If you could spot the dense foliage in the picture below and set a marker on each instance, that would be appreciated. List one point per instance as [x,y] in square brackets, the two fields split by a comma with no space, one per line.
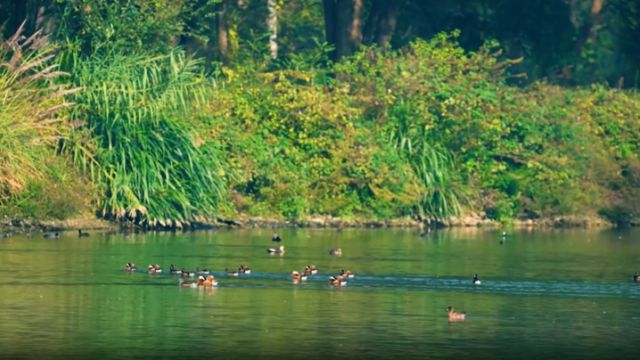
[141,153]
[180,111]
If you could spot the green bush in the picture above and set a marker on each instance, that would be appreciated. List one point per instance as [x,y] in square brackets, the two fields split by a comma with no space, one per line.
[141,153]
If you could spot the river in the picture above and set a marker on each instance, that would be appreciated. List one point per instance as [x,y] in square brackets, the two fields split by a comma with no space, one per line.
[544,294]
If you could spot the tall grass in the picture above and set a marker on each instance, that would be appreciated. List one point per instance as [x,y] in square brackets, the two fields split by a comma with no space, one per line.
[432,164]
[141,152]
[32,95]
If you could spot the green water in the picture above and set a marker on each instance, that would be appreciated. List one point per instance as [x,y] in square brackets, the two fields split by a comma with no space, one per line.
[544,294]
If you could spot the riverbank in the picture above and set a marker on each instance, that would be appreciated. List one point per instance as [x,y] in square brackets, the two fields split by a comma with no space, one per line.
[472,220]
[314,221]
[30,225]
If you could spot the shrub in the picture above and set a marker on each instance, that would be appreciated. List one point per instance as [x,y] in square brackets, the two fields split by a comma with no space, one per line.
[147,164]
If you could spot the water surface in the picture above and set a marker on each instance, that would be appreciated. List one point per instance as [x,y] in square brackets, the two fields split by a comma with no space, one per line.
[544,294]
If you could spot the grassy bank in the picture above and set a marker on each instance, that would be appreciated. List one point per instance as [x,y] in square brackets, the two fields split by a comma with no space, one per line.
[427,131]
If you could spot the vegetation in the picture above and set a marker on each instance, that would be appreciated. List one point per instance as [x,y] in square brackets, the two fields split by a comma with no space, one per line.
[33,96]
[140,152]
[202,109]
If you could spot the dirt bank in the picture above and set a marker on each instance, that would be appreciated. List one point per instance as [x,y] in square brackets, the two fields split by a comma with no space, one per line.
[315,221]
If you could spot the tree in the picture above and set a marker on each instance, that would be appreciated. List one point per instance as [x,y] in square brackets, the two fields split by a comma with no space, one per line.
[272,24]
[223,32]
[381,22]
[343,25]
[590,28]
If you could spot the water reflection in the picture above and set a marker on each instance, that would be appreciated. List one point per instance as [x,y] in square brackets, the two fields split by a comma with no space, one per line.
[544,294]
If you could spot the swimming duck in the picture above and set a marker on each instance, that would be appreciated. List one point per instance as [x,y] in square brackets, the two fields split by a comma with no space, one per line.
[231,272]
[276,238]
[456,316]
[244,269]
[337,280]
[210,281]
[636,278]
[189,284]
[310,270]
[129,267]
[82,233]
[174,271]
[346,274]
[335,252]
[426,232]
[475,280]
[186,273]
[154,269]
[278,250]
[202,271]
[297,277]
[52,235]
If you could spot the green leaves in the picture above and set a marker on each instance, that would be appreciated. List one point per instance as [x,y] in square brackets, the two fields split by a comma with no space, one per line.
[138,110]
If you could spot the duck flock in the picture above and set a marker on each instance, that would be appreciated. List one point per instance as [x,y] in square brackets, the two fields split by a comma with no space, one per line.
[337,280]
[206,280]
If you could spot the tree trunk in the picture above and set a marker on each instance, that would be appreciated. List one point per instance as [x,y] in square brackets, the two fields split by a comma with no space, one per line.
[330,24]
[223,31]
[343,25]
[386,22]
[381,23]
[355,27]
[272,24]
[590,29]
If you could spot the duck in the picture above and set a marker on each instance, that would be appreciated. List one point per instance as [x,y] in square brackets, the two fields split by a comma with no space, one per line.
[82,233]
[297,277]
[278,250]
[335,252]
[475,280]
[426,232]
[347,274]
[202,271]
[276,238]
[636,278]
[231,272]
[129,267]
[337,281]
[310,270]
[154,269]
[454,315]
[174,271]
[244,269]
[54,235]
[210,281]
[186,273]
[189,284]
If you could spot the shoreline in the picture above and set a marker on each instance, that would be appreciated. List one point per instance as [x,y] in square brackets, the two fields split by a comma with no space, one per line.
[314,221]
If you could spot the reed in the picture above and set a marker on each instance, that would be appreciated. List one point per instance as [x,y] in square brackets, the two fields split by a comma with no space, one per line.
[32,103]
[432,164]
[140,150]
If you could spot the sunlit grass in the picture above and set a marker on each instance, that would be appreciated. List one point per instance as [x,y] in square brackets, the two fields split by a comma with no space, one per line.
[141,153]
[32,95]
